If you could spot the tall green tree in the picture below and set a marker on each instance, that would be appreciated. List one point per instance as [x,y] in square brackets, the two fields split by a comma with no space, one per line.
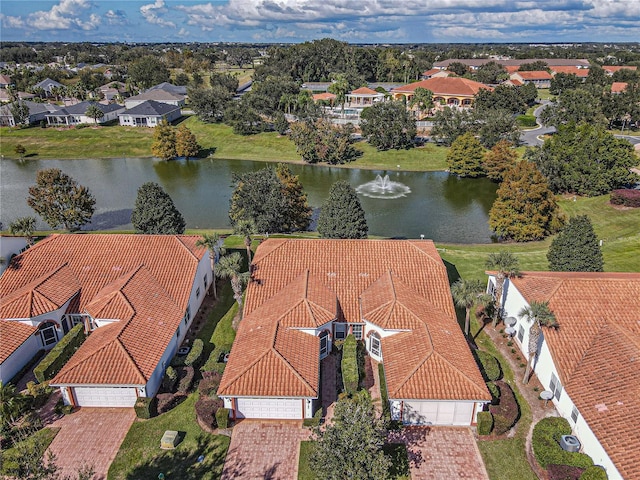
[215,244]
[324,142]
[449,124]
[20,112]
[538,314]
[186,143]
[23,226]
[297,205]
[148,71]
[466,294]
[388,125]
[580,105]
[423,99]
[93,111]
[342,215]
[465,157]
[506,265]
[351,446]
[340,87]
[576,248]
[525,208]
[495,125]
[155,213]
[164,141]
[60,200]
[499,159]
[229,267]
[210,104]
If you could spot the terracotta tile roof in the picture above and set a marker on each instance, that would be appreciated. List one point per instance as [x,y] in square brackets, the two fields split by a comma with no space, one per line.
[12,335]
[618,87]
[401,285]
[511,68]
[615,68]
[143,281]
[580,72]
[323,96]
[515,82]
[365,91]
[432,72]
[535,75]
[445,86]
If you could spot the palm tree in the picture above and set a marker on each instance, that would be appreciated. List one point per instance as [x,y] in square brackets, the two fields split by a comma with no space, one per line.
[94,112]
[23,226]
[245,228]
[423,98]
[539,314]
[466,294]
[10,404]
[213,242]
[229,267]
[506,266]
[339,87]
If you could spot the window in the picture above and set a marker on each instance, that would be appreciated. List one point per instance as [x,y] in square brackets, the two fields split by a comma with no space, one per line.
[574,414]
[324,344]
[48,334]
[357,331]
[340,331]
[520,333]
[205,281]
[198,292]
[555,386]
[187,315]
[374,344]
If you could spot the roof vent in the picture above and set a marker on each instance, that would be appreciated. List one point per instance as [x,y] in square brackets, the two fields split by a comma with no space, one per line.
[570,443]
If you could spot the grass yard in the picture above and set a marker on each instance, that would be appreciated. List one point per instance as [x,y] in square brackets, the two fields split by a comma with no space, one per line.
[140,456]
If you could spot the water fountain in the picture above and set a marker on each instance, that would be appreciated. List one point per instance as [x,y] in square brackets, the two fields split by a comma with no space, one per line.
[383,187]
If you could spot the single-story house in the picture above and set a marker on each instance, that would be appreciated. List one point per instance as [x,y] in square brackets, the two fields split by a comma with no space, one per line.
[77,114]
[157,95]
[590,362]
[324,97]
[37,112]
[364,97]
[392,294]
[46,85]
[112,90]
[580,72]
[136,296]
[447,91]
[618,87]
[170,87]
[435,72]
[5,97]
[149,114]
[5,81]
[540,78]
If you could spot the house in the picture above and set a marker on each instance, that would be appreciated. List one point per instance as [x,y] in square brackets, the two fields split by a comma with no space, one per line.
[364,97]
[541,78]
[158,95]
[37,113]
[447,91]
[589,363]
[394,295]
[5,97]
[324,97]
[435,72]
[10,246]
[5,81]
[112,90]
[136,295]
[169,87]
[618,87]
[580,72]
[47,85]
[77,114]
[611,69]
[149,114]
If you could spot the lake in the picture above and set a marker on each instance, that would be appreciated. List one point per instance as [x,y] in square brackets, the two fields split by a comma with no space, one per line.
[437,205]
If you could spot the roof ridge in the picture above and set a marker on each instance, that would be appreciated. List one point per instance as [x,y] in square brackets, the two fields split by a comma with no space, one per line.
[249,367]
[295,372]
[179,239]
[128,355]
[419,364]
[469,380]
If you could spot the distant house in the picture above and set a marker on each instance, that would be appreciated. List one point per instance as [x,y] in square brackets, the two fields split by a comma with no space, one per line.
[169,87]
[37,113]
[5,81]
[163,93]
[364,97]
[591,362]
[475,63]
[149,114]
[540,78]
[324,97]
[435,72]
[317,87]
[47,84]
[611,69]
[618,87]
[580,72]
[77,114]
[5,97]
[112,90]
[453,92]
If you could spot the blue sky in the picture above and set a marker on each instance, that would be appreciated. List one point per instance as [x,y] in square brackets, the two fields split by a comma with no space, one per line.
[358,21]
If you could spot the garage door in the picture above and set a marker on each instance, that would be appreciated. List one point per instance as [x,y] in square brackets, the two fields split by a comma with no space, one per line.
[281,408]
[105,396]
[437,413]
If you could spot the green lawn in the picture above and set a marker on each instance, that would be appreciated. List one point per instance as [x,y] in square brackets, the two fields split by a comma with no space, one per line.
[140,457]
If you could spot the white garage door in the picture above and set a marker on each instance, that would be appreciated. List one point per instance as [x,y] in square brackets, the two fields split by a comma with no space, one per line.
[281,408]
[105,396]
[437,413]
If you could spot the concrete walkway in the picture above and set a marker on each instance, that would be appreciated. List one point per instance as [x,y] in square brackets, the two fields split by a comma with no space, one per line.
[328,374]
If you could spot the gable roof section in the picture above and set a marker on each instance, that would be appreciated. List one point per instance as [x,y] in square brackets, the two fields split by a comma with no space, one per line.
[618,87]
[445,86]
[12,335]
[580,72]
[82,107]
[535,75]
[159,95]
[151,108]
[365,91]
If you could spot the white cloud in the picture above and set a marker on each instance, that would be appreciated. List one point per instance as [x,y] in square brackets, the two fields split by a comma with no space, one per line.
[8,21]
[152,13]
[64,16]
[183,33]
[116,17]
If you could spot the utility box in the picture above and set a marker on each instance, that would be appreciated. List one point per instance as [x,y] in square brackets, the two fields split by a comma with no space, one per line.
[169,440]
[570,443]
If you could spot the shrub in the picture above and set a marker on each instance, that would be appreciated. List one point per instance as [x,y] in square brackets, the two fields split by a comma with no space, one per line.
[206,408]
[60,354]
[626,197]
[209,384]
[546,444]
[145,407]
[349,367]
[495,393]
[167,401]
[507,412]
[315,421]
[40,393]
[194,357]
[485,423]
[185,375]
[594,472]
[170,379]
[526,120]
[383,391]
[214,363]
[222,417]
[489,366]
[564,472]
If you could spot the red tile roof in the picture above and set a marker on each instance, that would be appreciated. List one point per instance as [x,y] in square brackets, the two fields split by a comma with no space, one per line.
[535,75]
[511,68]
[365,91]
[398,285]
[580,72]
[445,86]
[618,87]
[595,351]
[613,69]
[323,96]
[12,335]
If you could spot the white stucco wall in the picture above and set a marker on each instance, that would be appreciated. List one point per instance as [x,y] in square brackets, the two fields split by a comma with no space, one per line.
[10,246]
[19,358]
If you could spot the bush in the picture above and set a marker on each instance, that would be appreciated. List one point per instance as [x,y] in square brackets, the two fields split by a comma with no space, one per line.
[194,357]
[206,408]
[626,197]
[564,472]
[507,412]
[208,386]
[170,379]
[526,120]
[60,354]
[489,366]
[315,421]
[222,417]
[40,393]
[167,401]
[495,393]
[386,411]
[145,407]
[594,472]
[185,375]
[546,444]
[485,423]
[349,367]
[213,363]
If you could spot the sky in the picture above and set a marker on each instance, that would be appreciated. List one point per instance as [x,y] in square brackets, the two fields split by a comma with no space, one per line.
[292,21]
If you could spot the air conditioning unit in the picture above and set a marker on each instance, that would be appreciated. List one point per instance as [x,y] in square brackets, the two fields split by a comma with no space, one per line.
[570,443]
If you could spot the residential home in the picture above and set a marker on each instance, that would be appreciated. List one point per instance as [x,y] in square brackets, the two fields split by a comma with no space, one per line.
[5,81]
[77,114]
[590,362]
[618,87]
[37,113]
[580,72]
[46,85]
[136,296]
[435,72]
[10,246]
[541,78]
[169,87]
[149,114]
[113,90]
[317,87]
[456,92]
[324,97]
[611,69]
[364,97]
[157,95]
[393,295]
[5,97]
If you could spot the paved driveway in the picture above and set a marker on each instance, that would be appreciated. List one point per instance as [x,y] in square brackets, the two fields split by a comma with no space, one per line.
[442,453]
[90,436]
[264,450]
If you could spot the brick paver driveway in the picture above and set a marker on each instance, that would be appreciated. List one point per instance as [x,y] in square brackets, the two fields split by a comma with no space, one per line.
[90,436]
[442,453]
[264,450]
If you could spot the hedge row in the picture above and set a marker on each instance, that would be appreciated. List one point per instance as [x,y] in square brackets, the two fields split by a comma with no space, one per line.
[145,407]
[507,412]
[214,363]
[626,197]
[546,444]
[489,366]
[485,423]
[222,417]
[60,354]
[594,472]
[386,410]
[185,375]
[194,357]
[170,379]
[315,421]
[526,120]
[495,393]
[349,366]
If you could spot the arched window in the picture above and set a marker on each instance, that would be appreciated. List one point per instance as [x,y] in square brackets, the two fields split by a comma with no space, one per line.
[48,333]
[374,344]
